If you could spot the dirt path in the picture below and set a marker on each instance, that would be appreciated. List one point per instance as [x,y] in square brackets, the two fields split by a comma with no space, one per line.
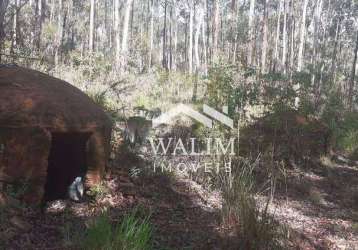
[320,207]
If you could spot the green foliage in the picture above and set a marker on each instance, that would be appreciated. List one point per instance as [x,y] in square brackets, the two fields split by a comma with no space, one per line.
[254,226]
[102,100]
[98,191]
[49,32]
[226,87]
[132,233]
[99,234]
[332,112]
[144,101]
[350,141]
[344,125]
[347,133]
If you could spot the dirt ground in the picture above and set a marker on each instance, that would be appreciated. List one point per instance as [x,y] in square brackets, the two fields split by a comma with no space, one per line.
[318,206]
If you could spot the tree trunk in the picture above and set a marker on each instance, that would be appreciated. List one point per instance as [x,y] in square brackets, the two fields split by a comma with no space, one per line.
[151,34]
[316,24]
[125,31]
[3,8]
[284,40]
[251,32]
[52,11]
[15,27]
[117,31]
[164,60]
[176,26]
[171,38]
[264,39]
[293,36]
[205,45]
[208,52]
[41,14]
[59,33]
[91,31]
[197,36]
[351,81]
[215,29]
[191,28]
[302,36]
[334,56]
[276,53]
[131,24]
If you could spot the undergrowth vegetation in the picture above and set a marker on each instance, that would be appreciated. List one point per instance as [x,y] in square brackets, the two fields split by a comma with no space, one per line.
[254,225]
[131,233]
[250,98]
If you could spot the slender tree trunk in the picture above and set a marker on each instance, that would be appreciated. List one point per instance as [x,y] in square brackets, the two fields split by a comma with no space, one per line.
[171,39]
[293,36]
[15,27]
[164,60]
[117,31]
[131,24]
[316,25]
[284,40]
[264,40]
[186,42]
[334,56]
[175,40]
[52,11]
[208,34]
[278,26]
[351,81]
[215,29]
[3,8]
[235,21]
[191,30]
[40,15]
[60,22]
[125,31]
[91,31]
[106,44]
[251,33]
[205,45]
[232,30]
[197,36]
[150,62]
[302,37]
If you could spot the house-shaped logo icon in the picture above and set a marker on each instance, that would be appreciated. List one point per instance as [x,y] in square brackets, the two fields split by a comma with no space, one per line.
[182,109]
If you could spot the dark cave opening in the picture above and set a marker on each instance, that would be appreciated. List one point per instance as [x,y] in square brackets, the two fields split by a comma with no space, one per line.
[66,161]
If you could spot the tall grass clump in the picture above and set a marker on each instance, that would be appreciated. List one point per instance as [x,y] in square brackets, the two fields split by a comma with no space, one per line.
[254,226]
[131,233]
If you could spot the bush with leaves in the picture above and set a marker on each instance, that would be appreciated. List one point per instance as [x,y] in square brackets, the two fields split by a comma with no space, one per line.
[132,233]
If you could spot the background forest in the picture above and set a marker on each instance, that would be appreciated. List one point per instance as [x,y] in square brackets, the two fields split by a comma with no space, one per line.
[307,46]
[286,70]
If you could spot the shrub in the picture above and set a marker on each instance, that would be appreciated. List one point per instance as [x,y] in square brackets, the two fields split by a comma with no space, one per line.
[98,191]
[102,100]
[254,226]
[131,233]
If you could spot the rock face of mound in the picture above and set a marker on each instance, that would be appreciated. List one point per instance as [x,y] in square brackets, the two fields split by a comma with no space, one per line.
[50,133]
[288,135]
